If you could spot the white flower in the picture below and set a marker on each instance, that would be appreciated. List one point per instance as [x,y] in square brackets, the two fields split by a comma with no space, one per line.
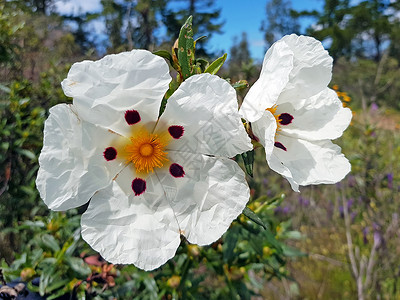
[148,179]
[295,115]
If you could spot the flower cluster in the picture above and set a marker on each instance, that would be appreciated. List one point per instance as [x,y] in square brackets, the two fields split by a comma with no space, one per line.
[150,178]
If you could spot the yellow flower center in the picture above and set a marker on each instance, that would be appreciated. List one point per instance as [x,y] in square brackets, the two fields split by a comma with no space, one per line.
[146,151]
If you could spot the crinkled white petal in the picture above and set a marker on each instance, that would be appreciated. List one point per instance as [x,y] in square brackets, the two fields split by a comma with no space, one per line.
[264,129]
[211,194]
[206,106]
[277,65]
[317,118]
[72,166]
[105,89]
[128,229]
[312,68]
[307,162]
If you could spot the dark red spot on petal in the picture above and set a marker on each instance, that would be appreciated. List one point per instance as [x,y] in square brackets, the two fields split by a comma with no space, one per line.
[138,186]
[176,170]
[132,117]
[176,131]
[110,153]
[280,145]
[285,119]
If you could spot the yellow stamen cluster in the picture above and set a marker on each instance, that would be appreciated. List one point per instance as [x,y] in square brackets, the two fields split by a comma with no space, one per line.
[272,110]
[146,151]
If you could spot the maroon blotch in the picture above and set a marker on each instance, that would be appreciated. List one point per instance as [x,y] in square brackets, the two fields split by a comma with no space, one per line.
[176,170]
[176,131]
[285,119]
[132,117]
[280,145]
[138,186]
[110,153]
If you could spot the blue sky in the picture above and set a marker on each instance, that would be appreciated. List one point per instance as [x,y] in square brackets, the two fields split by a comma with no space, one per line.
[239,16]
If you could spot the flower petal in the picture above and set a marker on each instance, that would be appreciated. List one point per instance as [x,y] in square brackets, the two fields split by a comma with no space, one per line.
[319,117]
[264,129]
[127,229]
[208,197]
[72,165]
[277,65]
[206,107]
[304,162]
[104,90]
[312,68]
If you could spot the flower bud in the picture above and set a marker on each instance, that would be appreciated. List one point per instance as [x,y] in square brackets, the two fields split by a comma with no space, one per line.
[174,281]
[27,274]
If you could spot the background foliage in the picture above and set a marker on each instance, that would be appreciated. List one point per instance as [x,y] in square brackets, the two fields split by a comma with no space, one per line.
[329,242]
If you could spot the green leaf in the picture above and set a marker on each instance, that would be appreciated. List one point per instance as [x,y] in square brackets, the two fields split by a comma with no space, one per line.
[252,216]
[216,65]
[27,153]
[296,235]
[199,39]
[248,159]
[5,89]
[229,244]
[241,84]
[50,242]
[32,288]
[186,49]
[78,265]
[45,279]
[55,286]
[202,64]
[165,54]
[292,252]
[58,293]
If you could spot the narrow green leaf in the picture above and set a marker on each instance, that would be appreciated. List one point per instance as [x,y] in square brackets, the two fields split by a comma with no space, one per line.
[45,279]
[55,286]
[58,294]
[229,245]
[27,153]
[252,216]
[199,39]
[186,49]
[241,84]
[216,65]
[248,159]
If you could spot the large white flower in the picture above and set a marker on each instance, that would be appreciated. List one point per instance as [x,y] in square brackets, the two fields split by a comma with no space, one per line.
[148,179]
[295,115]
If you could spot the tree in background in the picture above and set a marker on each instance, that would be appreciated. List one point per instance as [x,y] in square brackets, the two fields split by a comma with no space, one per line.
[280,21]
[131,24]
[332,25]
[82,34]
[362,30]
[240,59]
[145,12]
[371,23]
[114,14]
[206,20]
